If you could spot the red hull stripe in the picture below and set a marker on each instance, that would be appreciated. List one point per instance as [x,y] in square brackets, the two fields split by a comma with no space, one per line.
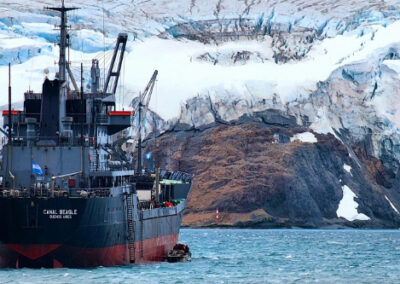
[33,251]
[92,257]
[63,255]
[56,264]
[155,249]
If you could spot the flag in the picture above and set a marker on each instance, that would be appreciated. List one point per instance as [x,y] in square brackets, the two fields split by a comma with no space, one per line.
[148,155]
[36,169]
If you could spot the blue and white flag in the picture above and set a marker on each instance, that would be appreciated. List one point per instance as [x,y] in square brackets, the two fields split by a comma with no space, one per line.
[36,169]
[148,155]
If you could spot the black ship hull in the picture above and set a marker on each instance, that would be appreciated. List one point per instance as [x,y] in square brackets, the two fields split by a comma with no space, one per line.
[77,232]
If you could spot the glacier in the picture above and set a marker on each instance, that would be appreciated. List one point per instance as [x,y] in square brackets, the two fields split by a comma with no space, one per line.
[235,64]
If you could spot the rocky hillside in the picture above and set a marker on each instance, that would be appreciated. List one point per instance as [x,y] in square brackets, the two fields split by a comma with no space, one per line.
[267,171]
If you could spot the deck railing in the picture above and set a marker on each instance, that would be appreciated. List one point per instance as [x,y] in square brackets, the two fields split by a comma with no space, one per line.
[50,193]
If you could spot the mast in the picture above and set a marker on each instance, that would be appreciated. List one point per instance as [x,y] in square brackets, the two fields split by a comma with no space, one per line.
[82,115]
[62,63]
[139,151]
[9,105]
[9,145]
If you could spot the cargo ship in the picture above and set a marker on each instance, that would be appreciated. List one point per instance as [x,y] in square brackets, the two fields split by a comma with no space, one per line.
[66,198]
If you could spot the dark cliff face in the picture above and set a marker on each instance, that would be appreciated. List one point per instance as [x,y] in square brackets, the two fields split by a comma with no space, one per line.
[252,172]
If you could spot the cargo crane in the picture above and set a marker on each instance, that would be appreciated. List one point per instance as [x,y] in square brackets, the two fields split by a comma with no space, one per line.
[143,105]
[141,109]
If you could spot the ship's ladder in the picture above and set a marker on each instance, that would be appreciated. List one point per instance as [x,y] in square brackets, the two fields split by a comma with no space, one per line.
[141,235]
[131,228]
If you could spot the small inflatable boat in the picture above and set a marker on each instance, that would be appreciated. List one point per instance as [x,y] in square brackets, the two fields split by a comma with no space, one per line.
[180,253]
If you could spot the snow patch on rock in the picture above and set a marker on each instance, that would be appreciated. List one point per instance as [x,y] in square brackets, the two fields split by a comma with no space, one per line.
[347,168]
[348,207]
[306,137]
[391,205]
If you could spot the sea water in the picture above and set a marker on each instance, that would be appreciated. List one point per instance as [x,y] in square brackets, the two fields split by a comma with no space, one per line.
[252,256]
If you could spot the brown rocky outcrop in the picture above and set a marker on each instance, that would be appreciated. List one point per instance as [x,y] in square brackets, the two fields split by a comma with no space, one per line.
[257,177]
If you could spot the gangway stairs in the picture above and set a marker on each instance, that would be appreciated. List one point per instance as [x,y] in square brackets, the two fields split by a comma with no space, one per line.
[131,228]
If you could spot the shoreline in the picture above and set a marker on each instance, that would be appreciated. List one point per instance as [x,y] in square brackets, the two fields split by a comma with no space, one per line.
[326,227]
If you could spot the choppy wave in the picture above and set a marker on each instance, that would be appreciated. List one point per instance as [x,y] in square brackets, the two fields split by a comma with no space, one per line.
[252,256]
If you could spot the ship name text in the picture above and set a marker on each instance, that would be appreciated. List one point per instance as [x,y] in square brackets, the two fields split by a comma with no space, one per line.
[60,213]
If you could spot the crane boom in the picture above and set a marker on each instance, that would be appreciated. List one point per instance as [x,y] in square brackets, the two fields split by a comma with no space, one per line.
[115,71]
[146,96]
[142,110]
